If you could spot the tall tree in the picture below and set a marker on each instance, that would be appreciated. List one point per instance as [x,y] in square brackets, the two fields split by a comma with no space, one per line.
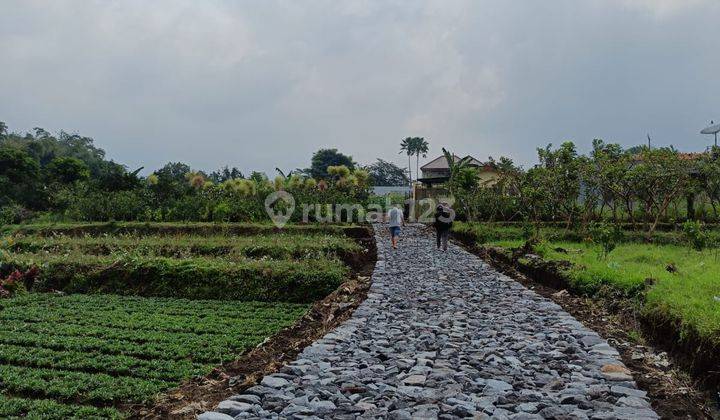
[18,173]
[420,146]
[387,174]
[67,170]
[414,146]
[328,157]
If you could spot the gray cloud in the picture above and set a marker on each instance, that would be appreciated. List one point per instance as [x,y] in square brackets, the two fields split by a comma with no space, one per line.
[259,84]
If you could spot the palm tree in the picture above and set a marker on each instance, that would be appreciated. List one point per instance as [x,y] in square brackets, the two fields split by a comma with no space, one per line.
[454,166]
[406,146]
[420,147]
[414,146]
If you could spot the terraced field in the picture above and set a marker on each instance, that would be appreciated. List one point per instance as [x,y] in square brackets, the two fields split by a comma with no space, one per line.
[138,312]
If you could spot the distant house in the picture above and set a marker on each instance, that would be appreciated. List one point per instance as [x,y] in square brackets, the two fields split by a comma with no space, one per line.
[437,172]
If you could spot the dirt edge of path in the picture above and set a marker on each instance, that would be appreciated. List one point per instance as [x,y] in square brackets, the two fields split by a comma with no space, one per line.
[202,394]
[673,393]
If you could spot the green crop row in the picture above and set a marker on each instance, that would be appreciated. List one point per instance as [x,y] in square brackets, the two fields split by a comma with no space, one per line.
[281,246]
[197,350]
[142,321]
[112,364]
[162,309]
[169,306]
[78,387]
[31,409]
[141,228]
[134,335]
[196,278]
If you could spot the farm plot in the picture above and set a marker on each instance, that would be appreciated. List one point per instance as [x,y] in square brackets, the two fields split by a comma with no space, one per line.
[140,313]
[78,355]
[271,267]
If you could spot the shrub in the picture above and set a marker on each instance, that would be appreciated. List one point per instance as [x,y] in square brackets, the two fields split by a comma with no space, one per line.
[14,214]
[607,236]
[695,235]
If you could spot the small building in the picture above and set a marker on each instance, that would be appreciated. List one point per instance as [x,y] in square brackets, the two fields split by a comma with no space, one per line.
[437,172]
[403,190]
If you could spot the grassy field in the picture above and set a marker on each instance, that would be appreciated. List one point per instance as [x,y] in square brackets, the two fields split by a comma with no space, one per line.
[674,281]
[145,307]
[486,232]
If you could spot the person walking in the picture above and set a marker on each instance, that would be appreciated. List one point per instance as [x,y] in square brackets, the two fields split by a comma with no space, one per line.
[395,220]
[444,216]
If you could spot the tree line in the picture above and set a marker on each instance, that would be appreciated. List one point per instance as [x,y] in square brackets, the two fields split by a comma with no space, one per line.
[641,186]
[66,177]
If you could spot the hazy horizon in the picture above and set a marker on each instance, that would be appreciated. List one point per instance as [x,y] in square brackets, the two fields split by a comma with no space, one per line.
[263,84]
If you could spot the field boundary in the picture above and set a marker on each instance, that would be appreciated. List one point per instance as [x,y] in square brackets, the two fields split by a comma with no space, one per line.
[202,394]
[611,313]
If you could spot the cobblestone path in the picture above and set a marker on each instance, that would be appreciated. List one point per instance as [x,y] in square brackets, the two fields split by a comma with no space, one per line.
[443,335]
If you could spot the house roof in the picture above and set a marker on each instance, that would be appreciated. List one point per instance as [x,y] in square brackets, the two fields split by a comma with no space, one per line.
[688,156]
[441,163]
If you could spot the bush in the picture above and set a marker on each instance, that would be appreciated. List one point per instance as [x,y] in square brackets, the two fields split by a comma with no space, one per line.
[695,235]
[13,214]
[608,236]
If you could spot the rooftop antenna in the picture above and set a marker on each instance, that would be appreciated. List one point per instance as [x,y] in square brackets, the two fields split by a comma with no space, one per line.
[712,129]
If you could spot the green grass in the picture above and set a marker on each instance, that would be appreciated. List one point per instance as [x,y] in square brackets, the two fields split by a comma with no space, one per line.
[491,232]
[73,355]
[686,296]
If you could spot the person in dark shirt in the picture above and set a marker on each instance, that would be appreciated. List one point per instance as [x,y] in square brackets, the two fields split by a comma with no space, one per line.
[444,216]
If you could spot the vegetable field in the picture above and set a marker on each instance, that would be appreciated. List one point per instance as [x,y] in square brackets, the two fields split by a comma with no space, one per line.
[113,319]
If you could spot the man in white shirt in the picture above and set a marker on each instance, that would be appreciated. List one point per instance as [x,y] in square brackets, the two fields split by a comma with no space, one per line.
[395,220]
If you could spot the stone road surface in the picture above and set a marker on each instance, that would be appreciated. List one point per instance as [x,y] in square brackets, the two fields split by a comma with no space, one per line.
[443,335]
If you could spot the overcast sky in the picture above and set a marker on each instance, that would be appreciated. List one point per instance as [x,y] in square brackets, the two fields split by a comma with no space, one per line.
[260,84]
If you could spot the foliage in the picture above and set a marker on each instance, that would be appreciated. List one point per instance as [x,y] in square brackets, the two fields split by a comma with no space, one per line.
[658,178]
[607,236]
[105,350]
[414,146]
[13,214]
[91,354]
[383,173]
[298,267]
[67,170]
[66,177]
[324,158]
[225,174]
[197,278]
[274,246]
[19,174]
[695,234]
[608,184]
